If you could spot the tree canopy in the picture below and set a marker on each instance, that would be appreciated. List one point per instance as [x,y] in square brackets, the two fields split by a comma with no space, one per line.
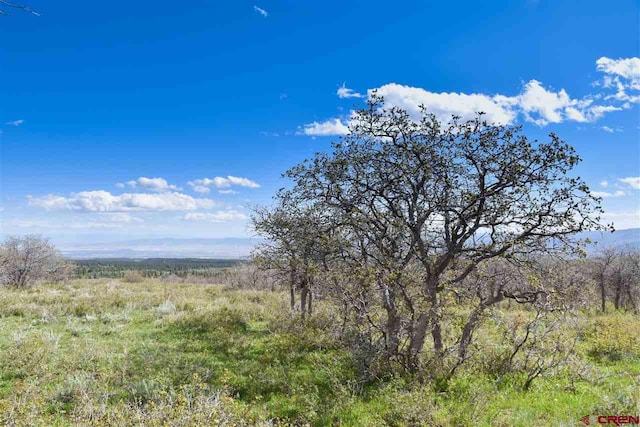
[416,206]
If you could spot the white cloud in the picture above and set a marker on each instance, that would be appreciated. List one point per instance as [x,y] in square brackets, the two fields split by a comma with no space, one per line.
[604,184]
[535,103]
[107,221]
[30,223]
[219,216]
[119,185]
[119,217]
[89,221]
[542,106]
[327,128]
[95,225]
[623,75]
[607,129]
[622,220]
[497,108]
[632,181]
[200,189]
[153,184]
[345,92]
[606,195]
[261,11]
[103,201]
[627,68]
[203,185]
[15,122]
[227,192]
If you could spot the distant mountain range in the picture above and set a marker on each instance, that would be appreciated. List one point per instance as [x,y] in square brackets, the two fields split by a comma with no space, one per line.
[238,248]
[227,248]
[629,238]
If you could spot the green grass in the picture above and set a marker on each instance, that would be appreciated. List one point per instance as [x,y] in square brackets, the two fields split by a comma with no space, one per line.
[110,353]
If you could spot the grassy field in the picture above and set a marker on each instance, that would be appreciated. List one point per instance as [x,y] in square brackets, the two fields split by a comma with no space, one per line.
[110,353]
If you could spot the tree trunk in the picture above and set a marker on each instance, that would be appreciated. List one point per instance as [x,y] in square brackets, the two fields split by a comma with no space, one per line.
[392,330]
[436,334]
[292,289]
[303,301]
[616,302]
[392,325]
[436,330]
[292,297]
[603,294]
[310,305]
[417,341]
[634,306]
[467,333]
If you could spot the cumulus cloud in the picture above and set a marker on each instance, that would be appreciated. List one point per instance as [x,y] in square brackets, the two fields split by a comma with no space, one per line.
[622,220]
[15,122]
[607,195]
[632,181]
[205,184]
[104,201]
[153,184]
[497,108]
[345,92]
[261,11]
[121,218]
[218,216]
[327,128]
[542,106]
[119,185]
[604,184]
[535,103]
[200,188]
[627,68]
[98,220]
[107,221]
[623,76]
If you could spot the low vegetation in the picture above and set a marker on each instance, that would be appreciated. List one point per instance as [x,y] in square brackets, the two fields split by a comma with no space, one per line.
[104,352]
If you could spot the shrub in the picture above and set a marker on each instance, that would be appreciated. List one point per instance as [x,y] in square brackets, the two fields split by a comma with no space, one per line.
[133,277]
[25,260]
[614,336]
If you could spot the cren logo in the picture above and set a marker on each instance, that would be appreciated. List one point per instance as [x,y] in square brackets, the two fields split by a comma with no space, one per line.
[617,420]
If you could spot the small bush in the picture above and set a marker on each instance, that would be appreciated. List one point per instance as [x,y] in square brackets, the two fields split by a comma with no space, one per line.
[133,277]
[614,336]
[167,307]
[144,391]
[74,388]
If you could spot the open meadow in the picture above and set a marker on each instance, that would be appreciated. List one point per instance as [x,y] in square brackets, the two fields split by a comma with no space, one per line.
[320,213]
[106,352]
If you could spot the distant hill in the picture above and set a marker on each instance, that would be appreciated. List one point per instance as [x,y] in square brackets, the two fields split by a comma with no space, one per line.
[629,238]
[239,248]
[227,248]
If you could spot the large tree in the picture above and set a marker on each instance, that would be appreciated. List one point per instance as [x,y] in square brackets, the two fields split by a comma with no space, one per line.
[423,204]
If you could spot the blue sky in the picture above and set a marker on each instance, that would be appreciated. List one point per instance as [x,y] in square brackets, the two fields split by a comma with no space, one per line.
[117,117]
